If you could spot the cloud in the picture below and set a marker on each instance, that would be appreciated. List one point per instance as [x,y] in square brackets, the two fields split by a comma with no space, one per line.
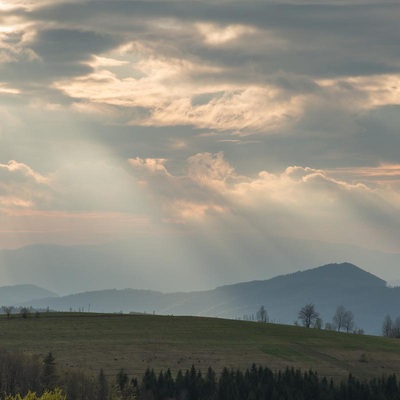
[310,88]
[80,202]
[75,187]
[231,67]
[215,35]
[207,168]
[225,107]
[12,46]
[381,174]
[300,201]
[25,5]
[19,171]
[20,186]
[33,54]
[151,165]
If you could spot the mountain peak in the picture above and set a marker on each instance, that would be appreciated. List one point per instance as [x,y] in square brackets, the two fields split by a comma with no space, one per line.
[346,272]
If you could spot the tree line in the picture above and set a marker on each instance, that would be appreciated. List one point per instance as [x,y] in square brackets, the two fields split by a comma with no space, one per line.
[261,383]
[342,320]
[309,317]
[25,312]
[31,378]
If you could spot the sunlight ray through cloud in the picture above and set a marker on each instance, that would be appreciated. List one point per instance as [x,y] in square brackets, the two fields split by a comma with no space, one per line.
[200,133]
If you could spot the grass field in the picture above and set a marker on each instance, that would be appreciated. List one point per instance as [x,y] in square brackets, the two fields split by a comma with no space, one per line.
[135,342]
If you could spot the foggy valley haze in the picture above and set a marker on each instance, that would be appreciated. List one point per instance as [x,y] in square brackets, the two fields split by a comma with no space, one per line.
[182,145]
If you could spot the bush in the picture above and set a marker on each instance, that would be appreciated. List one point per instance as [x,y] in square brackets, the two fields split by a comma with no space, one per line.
[55,395]
[25,312]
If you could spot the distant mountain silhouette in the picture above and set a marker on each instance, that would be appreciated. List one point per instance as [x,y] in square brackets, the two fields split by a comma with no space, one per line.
[327,287]
[194,264]
[11,295]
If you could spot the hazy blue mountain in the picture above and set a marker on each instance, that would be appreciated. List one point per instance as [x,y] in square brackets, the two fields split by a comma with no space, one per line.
[191,263]
[11,295]
[64,269]
[327,287]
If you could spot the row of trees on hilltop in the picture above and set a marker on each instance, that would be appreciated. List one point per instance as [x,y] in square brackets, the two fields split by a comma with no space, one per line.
[25,312]
[343,319]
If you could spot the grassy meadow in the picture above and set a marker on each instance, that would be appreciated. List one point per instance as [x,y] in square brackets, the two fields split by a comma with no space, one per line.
[135,342]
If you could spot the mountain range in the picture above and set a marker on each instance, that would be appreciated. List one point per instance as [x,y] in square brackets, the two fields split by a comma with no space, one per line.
[182,264]
[328,286]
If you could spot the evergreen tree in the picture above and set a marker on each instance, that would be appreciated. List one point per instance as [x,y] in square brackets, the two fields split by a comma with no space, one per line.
[49,372]
[210,385]
[122,379]
[169,384]
[192,384]
[180,388]
[149,383]
[103,393]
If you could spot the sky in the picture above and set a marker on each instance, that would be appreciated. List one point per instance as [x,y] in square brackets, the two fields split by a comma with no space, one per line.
[220,121]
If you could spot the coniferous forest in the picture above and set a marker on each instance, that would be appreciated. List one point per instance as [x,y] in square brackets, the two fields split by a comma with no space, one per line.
[21,375]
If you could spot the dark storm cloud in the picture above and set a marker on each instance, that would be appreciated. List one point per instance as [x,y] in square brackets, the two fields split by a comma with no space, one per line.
[61,46]
[290,47]
[291,43]
[325,40]
[60,53]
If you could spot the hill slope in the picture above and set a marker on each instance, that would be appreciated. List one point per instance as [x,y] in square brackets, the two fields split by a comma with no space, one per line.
[136,342]
[327,287]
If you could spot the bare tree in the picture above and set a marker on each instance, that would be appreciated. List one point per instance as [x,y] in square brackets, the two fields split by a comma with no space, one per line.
[329,327]
[387,326]
[7,310]
[308,315]
[318,323]
[396,328]
[262,315]
[24,312]
[348,321]
[338,318]
[343,319]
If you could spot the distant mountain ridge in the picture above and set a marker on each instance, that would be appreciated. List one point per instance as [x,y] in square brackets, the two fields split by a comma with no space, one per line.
[327,274]
[195,265]
[327,287]
[11,295]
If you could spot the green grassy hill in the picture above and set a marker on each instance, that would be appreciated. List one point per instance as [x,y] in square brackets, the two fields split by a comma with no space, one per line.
[135,342]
